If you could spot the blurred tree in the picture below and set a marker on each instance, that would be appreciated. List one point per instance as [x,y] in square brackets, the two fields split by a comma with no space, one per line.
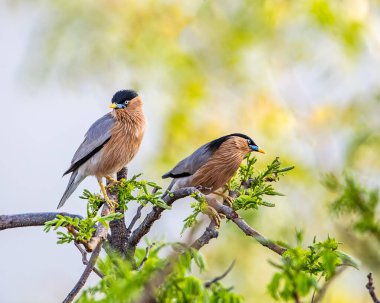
[300,75]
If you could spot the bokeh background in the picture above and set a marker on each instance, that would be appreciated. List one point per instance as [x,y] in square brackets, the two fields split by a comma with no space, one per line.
[301,77]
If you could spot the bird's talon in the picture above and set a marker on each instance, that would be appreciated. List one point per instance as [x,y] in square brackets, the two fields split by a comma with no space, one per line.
[213,215]
[112,205]
[229,201]
[112,181]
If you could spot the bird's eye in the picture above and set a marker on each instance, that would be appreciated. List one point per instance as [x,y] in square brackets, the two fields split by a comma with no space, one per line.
[126,102]
[249,142]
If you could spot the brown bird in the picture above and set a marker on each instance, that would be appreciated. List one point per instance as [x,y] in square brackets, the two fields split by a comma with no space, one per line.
[109,145]
[213,164]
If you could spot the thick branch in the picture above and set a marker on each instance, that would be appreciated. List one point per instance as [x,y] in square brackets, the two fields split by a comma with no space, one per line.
[119,232]
[89,268]
[248,230]
[155,214]
[211,232]
[30,219]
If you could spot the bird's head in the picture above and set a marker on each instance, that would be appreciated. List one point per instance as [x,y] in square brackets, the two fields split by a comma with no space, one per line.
[253,146]
[244,143]
[123,98]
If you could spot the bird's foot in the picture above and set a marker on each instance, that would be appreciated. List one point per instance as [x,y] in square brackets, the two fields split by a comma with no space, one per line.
[112,204]
[229,201]
[214,215]
[112,181]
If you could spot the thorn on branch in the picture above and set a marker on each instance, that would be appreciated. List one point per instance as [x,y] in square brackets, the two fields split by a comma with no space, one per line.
[222,276]
[371,288]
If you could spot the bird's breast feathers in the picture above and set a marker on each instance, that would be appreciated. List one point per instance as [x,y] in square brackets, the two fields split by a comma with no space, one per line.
[126,137]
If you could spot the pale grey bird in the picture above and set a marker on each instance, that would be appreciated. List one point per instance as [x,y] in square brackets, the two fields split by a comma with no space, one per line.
[109,145]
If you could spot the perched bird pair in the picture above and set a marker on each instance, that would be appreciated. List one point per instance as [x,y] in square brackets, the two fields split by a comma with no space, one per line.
[113,141]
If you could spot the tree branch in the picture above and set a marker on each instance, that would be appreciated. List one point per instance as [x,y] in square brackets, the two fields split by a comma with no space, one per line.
[155,214]
[119,231]
[318,296]
[147,251]
[85,261]
[211,232]
[134,219]
[217,279]
[89,268]
[371,288]
[30,219]
[248,230]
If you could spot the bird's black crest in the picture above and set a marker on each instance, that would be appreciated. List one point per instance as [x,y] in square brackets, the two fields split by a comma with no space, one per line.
[123,95]
[215,144]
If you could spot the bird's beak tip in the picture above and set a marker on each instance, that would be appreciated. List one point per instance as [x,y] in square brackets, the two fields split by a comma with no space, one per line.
[261,151]
[113,105]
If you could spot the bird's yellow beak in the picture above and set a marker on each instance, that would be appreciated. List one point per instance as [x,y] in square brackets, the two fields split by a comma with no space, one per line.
[261,151]
[113,105]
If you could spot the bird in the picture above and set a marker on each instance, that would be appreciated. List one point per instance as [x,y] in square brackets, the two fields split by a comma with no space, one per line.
[109,144]
[212,165]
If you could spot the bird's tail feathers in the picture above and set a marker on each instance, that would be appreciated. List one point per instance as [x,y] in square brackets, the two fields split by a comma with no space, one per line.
[74,181]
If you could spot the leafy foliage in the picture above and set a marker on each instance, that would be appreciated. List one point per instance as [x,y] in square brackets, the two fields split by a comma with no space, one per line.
[84,228]
[138,190]
[122,284]
[251,186]
[198,206]
[127,190]
[356,202]
[301,268]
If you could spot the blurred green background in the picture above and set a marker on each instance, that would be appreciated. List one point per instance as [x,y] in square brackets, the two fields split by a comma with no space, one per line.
[300,77]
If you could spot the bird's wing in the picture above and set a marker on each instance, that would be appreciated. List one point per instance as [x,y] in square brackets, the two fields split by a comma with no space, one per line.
[192,163]
[98,134]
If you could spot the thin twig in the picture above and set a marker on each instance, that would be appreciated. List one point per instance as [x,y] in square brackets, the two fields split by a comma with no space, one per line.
[82,281]
[85,261]
[30,219]
[318,295]
[147,251]
[217,279]
[371,288]
[134,219]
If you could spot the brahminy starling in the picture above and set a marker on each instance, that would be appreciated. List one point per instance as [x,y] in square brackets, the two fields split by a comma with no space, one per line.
[109,144]
[213,164]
